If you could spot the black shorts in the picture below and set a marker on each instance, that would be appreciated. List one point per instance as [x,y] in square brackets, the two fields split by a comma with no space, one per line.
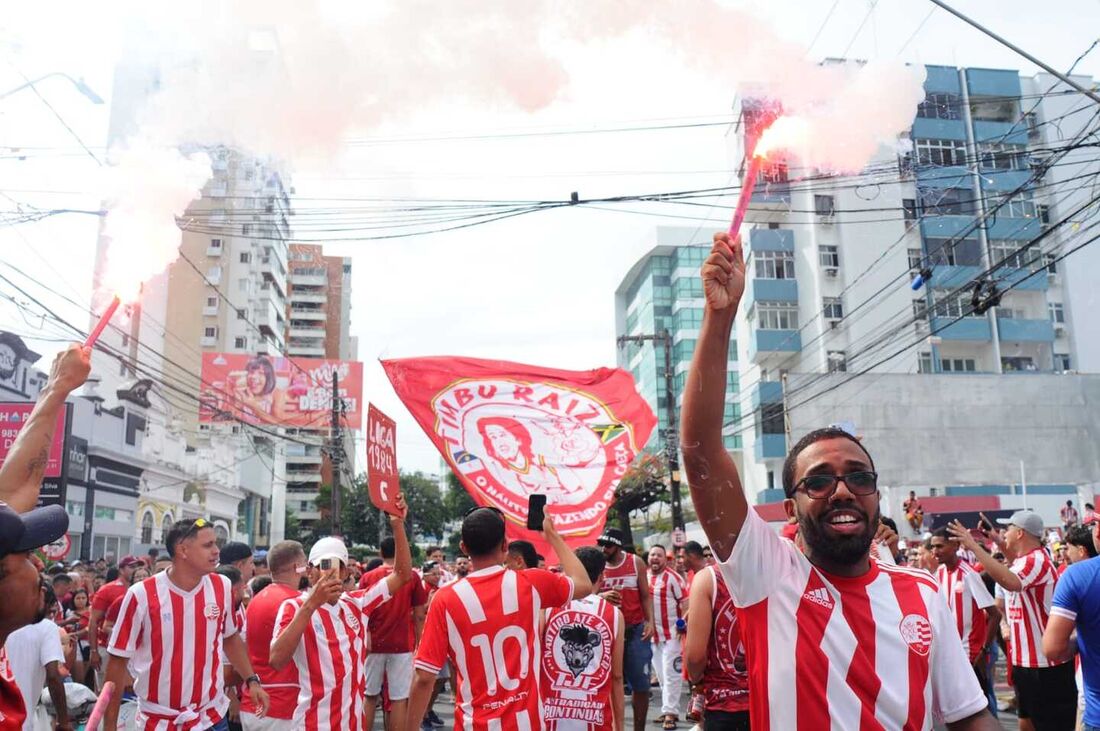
[1047,696]
[726,721]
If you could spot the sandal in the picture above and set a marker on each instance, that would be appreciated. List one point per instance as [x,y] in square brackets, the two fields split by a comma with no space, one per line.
[660,720]
[670,723]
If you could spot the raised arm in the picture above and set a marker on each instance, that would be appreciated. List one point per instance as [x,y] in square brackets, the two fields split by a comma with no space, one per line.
[21,475]
[712,476]
[571,566]
[402,556]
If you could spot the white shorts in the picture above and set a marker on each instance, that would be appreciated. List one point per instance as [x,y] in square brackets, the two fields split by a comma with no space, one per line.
[397,669]
[252,722]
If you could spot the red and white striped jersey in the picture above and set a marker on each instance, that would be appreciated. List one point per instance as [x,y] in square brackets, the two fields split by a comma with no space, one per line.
[578,648]
[1029,609]
[668,590]
[726,677]
[173,639]
[967,598]
[330,658]
[624,579]
[487,625]
[824,651]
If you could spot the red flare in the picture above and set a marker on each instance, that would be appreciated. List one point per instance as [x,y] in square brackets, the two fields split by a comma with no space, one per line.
[103,320]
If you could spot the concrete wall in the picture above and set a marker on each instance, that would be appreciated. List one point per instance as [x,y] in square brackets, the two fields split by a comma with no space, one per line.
[938,430]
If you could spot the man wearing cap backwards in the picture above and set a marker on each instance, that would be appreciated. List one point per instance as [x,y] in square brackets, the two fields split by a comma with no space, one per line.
[170,635]
[323,632]
[625,585]
[1045,687]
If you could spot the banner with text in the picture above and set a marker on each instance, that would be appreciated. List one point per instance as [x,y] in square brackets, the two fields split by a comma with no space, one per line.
[382,478]
[297,392]
[12,418]
[510,430]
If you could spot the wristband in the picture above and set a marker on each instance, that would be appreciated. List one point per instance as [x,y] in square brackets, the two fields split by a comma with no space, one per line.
[253,679]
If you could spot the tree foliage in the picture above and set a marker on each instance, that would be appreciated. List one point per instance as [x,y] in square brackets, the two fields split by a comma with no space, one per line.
[644,484]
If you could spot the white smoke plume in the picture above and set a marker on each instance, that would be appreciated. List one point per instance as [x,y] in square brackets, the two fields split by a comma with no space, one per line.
[289,78]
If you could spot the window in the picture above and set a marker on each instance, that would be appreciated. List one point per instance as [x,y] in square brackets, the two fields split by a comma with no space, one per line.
[940,152]
[1022,205]
[771,419]
[773,225]
[215,243]
[909,209]
[1024,363]
[920,309]
[776,315]
[212,302]
[953,307]
[916,259]
[958,365]
[243,285]
[939,105]
[824,205]
[1043,211]
[924,363]
[1031,121]
[837,361]
[246,229]
[214,274]
[147,528]
[828,255]
[947,202]
[240,343]
[1057,312]
[833,308]
[246,257]
[774,264]
[347,269]
[165,527]
[1061,362]
[1000,156]
[771,479]
[995,109]
[1050,263]
[964,252]
[210,332]
[1008,250]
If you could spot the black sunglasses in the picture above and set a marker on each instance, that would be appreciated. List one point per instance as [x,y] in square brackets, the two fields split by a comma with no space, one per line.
[821,487]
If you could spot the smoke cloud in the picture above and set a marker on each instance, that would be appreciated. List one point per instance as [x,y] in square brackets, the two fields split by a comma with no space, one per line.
[289,79]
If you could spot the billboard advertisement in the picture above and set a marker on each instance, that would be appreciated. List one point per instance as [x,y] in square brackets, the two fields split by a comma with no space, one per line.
[12,418]
[277,391]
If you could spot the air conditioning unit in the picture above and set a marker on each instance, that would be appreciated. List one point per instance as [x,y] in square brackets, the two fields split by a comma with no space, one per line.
[830,271]
[1059,328]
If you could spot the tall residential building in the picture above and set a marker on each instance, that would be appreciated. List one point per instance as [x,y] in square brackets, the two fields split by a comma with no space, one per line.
[830,259]
[662,294]
[319,317]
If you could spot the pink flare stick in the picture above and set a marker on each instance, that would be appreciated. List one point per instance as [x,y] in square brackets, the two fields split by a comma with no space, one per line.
[100,707]
[103,320]
[747,186]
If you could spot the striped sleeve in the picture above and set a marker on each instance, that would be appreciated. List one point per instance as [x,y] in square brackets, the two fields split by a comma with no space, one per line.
[225,599]
[982,597]
[1030,570]
[127,630]
[373,597]
[432,651]
[284,616]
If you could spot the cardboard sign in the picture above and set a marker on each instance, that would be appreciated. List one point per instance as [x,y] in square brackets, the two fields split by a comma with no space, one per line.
[383,480]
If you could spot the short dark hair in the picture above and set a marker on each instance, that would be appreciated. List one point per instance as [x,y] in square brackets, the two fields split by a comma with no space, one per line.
[433,549]
[387,547]
[695,548]
[526,551]
[283,555]
[58,578]
[482,532]
[1069,503]
[230,572]
[1089,506]
[259,583]
[1081,536]
[941,532]
[112,574]
[817,435]
[182,529]
[660,546]
[373,564]
[593,561]
[928,544]
[889,523]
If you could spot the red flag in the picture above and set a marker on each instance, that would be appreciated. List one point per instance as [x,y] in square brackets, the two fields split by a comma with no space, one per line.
[510,430]
[382,478]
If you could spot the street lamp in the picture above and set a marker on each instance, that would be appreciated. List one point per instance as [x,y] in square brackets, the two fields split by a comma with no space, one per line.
[82,87]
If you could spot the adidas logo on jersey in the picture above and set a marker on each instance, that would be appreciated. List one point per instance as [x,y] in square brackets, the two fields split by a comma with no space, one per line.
[819,596]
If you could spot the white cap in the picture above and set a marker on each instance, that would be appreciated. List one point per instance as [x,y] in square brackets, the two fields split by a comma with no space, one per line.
[328,548]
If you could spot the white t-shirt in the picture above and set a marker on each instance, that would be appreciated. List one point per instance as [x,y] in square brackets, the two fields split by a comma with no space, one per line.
[29,650]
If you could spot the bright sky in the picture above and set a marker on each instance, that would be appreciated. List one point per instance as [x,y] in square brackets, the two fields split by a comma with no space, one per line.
[537,288]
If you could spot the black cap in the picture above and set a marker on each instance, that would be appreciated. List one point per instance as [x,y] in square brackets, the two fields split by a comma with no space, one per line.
[24,532]
[234,551]
[611,537]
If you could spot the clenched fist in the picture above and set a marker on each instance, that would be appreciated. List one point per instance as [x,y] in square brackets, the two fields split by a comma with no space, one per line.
[724,273]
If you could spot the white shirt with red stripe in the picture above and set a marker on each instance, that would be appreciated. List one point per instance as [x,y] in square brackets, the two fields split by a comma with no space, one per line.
[578,665]
[824,651]
[1029,609]
[173,639]
[330,658]
[668,589]
[487,625]
[967,598]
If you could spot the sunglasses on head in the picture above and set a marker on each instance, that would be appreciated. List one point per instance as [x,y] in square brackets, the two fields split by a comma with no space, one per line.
[821,487]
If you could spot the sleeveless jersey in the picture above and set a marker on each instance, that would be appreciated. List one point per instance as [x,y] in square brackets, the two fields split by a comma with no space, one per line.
[577,654]
[726,678]
[624,579]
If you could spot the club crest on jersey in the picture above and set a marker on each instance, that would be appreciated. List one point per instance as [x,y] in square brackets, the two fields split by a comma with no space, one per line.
[513,439]
[577,654]
[212,611]
[916,631]
[730,649]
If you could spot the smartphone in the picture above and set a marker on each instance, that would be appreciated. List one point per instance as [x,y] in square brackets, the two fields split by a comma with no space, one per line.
[536,505]
[326,564]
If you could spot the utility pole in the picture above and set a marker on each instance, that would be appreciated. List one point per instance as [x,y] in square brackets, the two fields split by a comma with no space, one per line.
[671,433]
[336,453]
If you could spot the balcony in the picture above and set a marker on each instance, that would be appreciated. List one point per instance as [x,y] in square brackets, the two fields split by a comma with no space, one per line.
[1023,279]
[305,351]
[771,290]
[946,227]
[767,392]
[307,332]
[1010,133]
[993,82]
[268,318]
[771,239]
[317,299]
[299,313]
[273,271]
[209,311]
[968,328]
[1025,331]
[301,475]
[770,446]
[774,341]
[208,341]
[216,189]
[1004,181]
[308,280]
[1003,226]
[939,129]
[942,176]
